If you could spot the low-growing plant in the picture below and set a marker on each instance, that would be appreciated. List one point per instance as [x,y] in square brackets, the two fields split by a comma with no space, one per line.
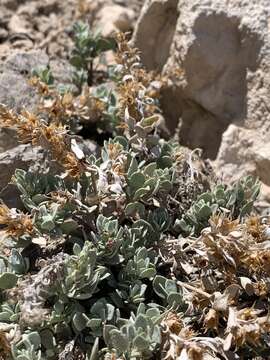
[100,264]
[236,200]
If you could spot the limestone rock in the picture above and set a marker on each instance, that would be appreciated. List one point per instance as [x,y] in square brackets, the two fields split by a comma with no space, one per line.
[113,18]
[15,91]
[8,139]
[155,31]
[18,24]
[14,74]
[218,55]
[236,157]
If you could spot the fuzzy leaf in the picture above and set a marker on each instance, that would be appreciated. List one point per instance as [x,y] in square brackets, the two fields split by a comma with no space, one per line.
[159,286]
[137,180]
[141,343]
[119,341]
[8,280]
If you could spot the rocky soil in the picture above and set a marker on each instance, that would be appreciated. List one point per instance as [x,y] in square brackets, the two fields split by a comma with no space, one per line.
[216,52]
[38,33]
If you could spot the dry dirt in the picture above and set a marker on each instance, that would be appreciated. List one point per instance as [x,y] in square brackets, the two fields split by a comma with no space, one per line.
[46,24]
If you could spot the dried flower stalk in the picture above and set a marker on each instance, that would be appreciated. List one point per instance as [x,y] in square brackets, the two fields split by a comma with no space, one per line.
[16,223]
[52,137]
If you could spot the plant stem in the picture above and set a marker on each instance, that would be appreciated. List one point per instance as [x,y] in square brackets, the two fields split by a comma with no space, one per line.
[90,74]
[192,288]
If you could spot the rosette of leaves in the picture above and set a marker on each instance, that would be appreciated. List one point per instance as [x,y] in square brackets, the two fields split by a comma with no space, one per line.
[171,294]
[34,187]
[109,238]
[101,312]
[9,313]
[133,278]
[54,216]
[159,219]
[145,181]
[141,234]
[82,273]
[141,266]
[50,216]
[237,200]
[28,348]
[137,337]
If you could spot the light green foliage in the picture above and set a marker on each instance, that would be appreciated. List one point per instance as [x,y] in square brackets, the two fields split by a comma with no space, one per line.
[9,313]
[169,291]
[28,348]
[90,276]
[108,97]
[35,187]
[7,278]
[82,274]
[87,46]
[137,337]
[236,200]
[44,74]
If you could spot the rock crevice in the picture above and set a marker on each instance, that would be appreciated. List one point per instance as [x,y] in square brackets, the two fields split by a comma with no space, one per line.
[222,51]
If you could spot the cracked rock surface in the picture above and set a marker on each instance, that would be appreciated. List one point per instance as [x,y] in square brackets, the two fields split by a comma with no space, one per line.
[218,55]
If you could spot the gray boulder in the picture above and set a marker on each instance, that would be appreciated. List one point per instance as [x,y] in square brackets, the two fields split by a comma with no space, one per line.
[217,52]
[15,90]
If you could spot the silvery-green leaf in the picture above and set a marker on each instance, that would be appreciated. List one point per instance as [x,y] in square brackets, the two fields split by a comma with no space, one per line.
[175,299]
[133,167]
[156,336]
[141,322]
[76,249]
[8,280]
[141,343]
[136,180]
[47,223]
[119,341]
[148,273]
[17,262]
[79,321]
[159,286]
[165,162]
[149,169]
[140,193]
[121,140]
[47,339]
[205,212]
[170,286]
[246,209]
[133,208]
[94,323]
[32,338]
[207,197]
[107,334]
